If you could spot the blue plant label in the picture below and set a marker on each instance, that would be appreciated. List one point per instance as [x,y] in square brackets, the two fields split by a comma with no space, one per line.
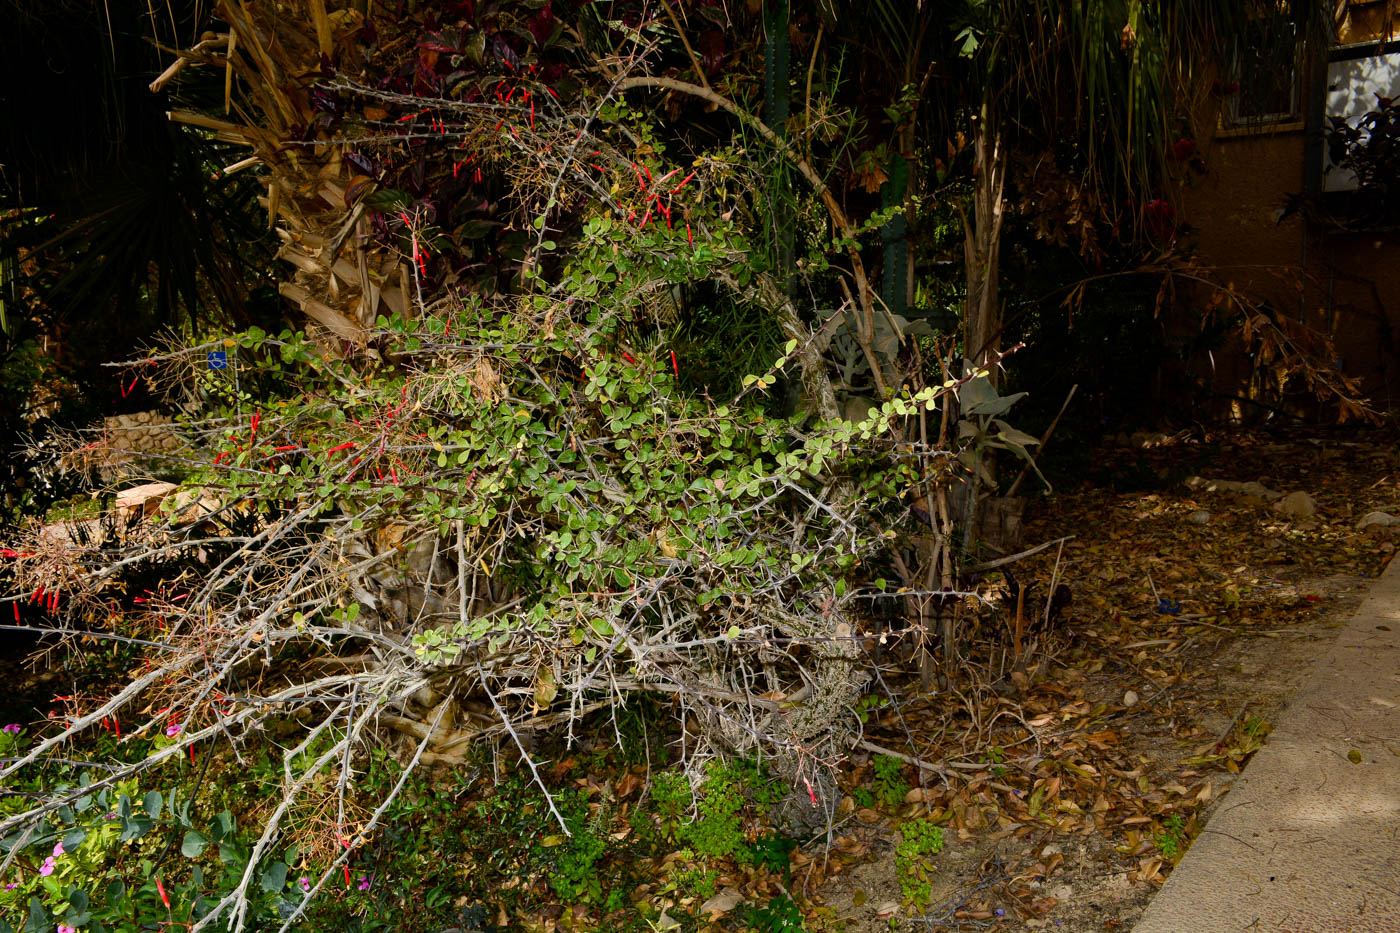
[218,359]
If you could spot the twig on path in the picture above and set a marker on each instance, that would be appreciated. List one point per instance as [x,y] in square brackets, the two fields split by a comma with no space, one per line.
[1044,439]
[1012,558]
[908,759]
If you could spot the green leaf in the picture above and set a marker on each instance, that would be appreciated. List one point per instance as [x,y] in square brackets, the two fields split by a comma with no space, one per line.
[389,200]
[275,878]
[193,845]
[38,917]
[153,802]
[223,825]
[978,397]
[1013,436]
[135,828]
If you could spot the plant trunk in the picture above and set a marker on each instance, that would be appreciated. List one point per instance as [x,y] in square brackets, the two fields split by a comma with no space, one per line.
[982,244]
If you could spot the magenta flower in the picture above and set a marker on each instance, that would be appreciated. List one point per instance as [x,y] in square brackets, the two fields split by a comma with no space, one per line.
[65,928]
[58,850]
[47,868]
[364,882]
[172,730]
[11,886]
[13,727]
[305,883]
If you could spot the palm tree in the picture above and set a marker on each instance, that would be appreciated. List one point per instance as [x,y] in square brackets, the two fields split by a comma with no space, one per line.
[123,227]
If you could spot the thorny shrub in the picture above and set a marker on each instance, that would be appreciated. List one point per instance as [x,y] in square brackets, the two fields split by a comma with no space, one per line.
[505,507]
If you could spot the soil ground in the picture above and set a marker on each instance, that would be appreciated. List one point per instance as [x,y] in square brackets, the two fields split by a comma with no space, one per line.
[1072,795]
[1067,791]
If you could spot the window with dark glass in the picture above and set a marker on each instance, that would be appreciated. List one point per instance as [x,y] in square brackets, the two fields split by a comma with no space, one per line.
[1263,86]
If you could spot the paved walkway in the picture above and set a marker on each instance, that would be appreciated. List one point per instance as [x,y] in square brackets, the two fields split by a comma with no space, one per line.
[1308,840]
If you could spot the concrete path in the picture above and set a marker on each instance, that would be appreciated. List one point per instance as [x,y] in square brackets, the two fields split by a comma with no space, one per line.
[1308,840]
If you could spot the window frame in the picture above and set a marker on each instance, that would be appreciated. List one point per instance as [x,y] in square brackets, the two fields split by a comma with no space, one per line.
[1232,121]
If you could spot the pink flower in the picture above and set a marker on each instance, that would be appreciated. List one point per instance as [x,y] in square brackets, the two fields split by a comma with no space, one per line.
[47,868]
[172,730]
[13,727]
[65,928]
[305,883]
[11,886]
[58,850]
[364,882]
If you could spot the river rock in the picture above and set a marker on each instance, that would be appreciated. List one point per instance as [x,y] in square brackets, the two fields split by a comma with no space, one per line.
[1377,520]
[1296,505]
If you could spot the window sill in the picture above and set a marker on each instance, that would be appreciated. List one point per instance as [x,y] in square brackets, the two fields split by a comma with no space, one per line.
[1259,129]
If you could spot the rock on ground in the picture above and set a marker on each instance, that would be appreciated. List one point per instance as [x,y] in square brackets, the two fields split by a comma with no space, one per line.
[1296,505]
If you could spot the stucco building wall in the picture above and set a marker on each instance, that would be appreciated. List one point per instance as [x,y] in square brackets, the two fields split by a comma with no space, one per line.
[1345,284]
